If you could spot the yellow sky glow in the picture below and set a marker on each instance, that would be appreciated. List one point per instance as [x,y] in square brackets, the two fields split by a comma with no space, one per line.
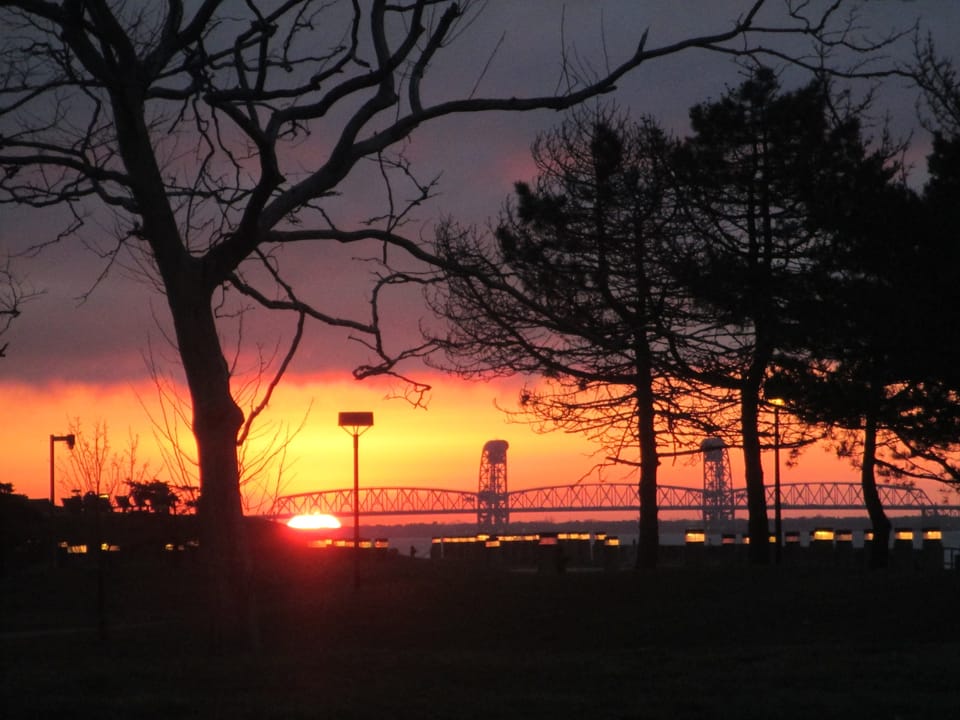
[437,447]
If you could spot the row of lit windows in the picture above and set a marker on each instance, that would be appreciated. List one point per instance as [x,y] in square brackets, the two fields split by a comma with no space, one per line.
[365,544]
[83,548]
[695,537]
[493,541]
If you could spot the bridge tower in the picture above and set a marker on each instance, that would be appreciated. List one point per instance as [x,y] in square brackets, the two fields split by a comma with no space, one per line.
[492,509]
[717,481]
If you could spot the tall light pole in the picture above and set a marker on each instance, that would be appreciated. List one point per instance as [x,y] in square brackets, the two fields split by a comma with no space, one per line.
[356,424]
[70,440]
[777,403]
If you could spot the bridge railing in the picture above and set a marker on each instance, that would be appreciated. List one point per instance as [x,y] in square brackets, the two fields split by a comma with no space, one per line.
[601,496]
[839,496]
[378,501]
[592,497]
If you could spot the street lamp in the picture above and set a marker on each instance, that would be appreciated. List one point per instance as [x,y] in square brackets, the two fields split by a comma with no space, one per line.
[70,440]
[356,424]
[777,403]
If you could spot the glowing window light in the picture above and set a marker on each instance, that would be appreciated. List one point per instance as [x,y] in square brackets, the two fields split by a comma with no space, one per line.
[316,521]
[932,534]
[868,535]
[321,544]
[792,538]
[727,539]
[822,535]
[694,537]
[612,541]
[492,543]
[549,540]
[349,543]
[77,549]
[903,534]
[381,543]
[844,536]
[519,538]
[600,536]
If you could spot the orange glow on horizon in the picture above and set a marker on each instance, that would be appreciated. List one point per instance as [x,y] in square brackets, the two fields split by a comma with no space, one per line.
[435,447]
[439,447]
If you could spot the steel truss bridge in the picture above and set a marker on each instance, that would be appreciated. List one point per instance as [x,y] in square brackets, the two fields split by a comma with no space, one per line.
[593,497]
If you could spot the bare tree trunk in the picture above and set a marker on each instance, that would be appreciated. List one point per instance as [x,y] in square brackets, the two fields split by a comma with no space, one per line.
[879,550]
[189,283]
[216,422]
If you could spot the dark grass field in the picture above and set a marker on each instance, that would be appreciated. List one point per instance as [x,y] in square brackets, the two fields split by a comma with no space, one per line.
[420,640]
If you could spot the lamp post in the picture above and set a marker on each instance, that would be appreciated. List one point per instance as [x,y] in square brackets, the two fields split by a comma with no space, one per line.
[777,403]
[356,424]
[70,440]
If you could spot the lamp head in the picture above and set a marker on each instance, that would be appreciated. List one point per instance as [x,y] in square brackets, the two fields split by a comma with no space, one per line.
[71,440]
[355,419]
[355,423]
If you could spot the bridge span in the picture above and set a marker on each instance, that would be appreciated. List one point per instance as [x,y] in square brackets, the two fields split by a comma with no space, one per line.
[592,497]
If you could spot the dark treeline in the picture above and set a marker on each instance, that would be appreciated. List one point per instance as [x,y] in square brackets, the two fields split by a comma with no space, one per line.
[662,289]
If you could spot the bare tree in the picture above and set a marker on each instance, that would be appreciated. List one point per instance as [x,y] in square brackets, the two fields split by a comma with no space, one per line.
[936,77]
[13,293]
[219,134]
[95,467]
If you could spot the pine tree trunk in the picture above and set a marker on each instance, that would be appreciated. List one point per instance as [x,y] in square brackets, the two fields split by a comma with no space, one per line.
[879,550]
[648,548]
[757,525]
[649,542]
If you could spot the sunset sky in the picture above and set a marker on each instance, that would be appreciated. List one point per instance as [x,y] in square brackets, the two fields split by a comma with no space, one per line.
[79,355]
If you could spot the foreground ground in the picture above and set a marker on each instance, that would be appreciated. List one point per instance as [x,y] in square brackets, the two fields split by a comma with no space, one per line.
[420,640]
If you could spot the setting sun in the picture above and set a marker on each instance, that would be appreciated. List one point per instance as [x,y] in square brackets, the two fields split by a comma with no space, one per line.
[316,521]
